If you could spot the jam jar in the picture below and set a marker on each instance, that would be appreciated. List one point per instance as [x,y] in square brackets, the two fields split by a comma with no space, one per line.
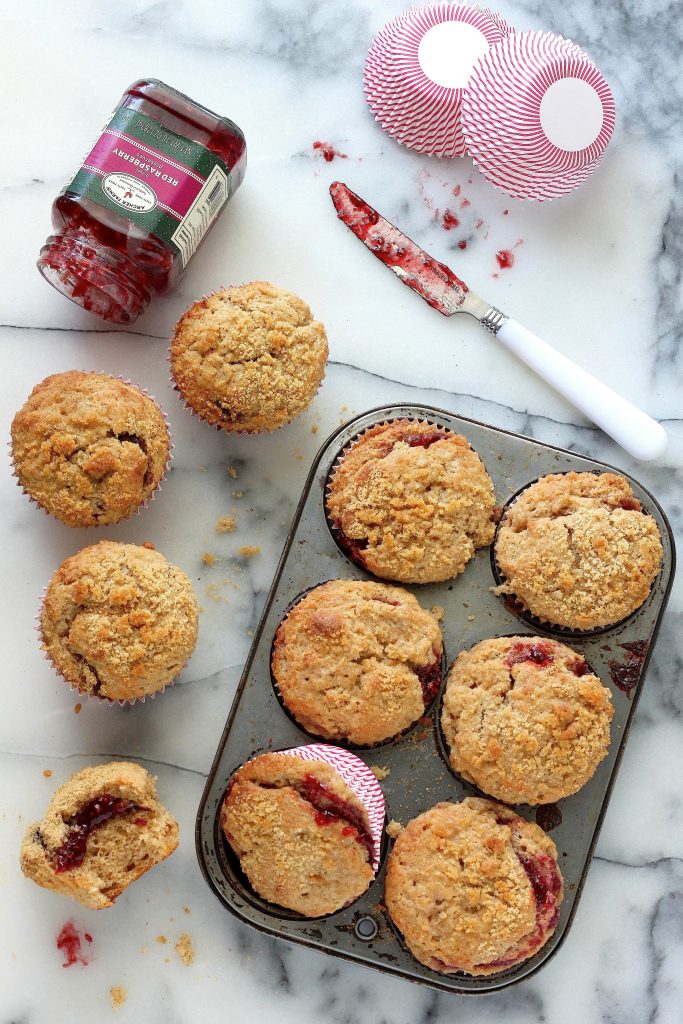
[142,202]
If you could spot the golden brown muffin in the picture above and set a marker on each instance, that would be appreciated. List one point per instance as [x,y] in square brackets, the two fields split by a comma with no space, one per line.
[302,836]
[248,358]
[118,621]
[88,448]
[357,661]
[411,502]
[577,550]
[525,719]
[473,887]
[102,829]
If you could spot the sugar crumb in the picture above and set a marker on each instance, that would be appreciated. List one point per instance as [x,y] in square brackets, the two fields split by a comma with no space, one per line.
[77,709]
[208,559]
[249,550]
[118,996]
[183,948]
[162,940]
[394,829]
[237,494]
[226,524]
[186,910]
[47,772]
[471,618]
[232,472]
[379,772]
[314,429]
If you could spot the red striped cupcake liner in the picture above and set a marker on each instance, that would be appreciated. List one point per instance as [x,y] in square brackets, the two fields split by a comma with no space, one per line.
[357,777]
[151,497]
[416,71]
[537,115]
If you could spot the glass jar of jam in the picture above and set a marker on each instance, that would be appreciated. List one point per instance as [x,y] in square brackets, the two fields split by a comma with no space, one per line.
[142,202]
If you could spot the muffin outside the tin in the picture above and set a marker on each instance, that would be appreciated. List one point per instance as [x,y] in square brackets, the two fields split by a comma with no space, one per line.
[302,836]
[89,448]
[525,719]
[411,502]
[118,621]
[473,887]
[357,661]
[577,550]
[248,358]
[103,829]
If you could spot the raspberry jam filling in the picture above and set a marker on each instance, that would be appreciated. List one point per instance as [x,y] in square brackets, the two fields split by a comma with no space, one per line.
[540,653]
[430,679]
[580,667]
[424,440]
[330,808]
[350,546]
[90,817]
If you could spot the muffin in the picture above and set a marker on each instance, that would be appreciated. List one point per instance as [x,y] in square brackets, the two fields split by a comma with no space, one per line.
[249,358]
[88,448]
[357,661]
[118,621]
[473,887]
[525,719]
[302,836]
[411,502]
[577,550]
[102,829]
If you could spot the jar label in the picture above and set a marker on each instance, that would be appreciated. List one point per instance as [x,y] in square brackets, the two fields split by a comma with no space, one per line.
[163,182]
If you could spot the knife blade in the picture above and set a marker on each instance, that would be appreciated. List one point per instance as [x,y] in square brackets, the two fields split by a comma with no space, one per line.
[436,283]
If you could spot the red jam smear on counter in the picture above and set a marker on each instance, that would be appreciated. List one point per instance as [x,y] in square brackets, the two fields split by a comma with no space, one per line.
[100,258]
[328,152]
[330,808]
[506,259]
[540,653]
[434,281]
[70,942]
[90,817]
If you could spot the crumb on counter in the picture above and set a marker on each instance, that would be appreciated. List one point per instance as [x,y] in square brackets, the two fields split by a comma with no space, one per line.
[226,524]
[208,559]
[183,948]
[314,429]
[379,772]
[118,996]
[394,829]
[437,612]
[232,472]
[162,940]
[249,550]
[237,494]
[77,709]
[471,618]
[186,910]
[47,772]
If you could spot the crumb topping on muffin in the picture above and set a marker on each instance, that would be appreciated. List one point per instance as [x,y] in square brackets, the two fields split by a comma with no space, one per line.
[88,448]
[357,661]
[102,830]
[118,620]
[525,719]
[249,358]
[578,550]
[411,502]
[473,887]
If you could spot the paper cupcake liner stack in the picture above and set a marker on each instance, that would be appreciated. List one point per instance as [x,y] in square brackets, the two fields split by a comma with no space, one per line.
[531,108]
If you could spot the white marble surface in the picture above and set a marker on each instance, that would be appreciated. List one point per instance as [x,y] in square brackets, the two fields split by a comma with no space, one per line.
[597,274]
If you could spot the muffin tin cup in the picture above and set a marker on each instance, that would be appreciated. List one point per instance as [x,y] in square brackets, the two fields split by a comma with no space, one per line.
[418,774]
[95,698]
[145,503]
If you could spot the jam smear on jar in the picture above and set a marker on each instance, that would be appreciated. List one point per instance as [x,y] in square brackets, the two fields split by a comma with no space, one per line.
[90,817]
[330,808]
[142,202]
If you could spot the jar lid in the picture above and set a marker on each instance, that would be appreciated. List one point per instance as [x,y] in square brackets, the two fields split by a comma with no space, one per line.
[417,68]
[537,115]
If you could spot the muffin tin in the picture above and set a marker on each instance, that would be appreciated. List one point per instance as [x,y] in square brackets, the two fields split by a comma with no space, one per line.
[419,774]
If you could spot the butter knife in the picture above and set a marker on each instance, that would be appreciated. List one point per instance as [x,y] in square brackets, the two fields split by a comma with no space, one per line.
[634,430]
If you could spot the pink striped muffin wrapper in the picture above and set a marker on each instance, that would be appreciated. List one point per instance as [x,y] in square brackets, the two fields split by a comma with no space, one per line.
[357,777]
[420,111]
[537,115]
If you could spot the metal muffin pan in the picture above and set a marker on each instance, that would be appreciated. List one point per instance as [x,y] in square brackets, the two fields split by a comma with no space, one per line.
[419,774]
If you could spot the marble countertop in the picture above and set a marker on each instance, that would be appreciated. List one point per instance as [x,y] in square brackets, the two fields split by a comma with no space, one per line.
[596,274]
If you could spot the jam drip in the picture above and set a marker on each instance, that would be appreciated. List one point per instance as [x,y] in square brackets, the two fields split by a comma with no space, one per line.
[548,817]
[330,808]
[90,817]
[435,282]
[430,679]
[626,674]
[540,653]
[70,943]
[351,546]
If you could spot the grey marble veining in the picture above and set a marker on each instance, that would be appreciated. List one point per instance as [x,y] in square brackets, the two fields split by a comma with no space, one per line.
[597,274]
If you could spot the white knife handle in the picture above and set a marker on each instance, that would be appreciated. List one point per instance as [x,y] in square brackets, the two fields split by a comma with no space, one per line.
[634,430]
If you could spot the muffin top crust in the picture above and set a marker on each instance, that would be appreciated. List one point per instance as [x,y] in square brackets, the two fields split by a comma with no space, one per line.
[411,502]
[88,448]
[248,358]
[578,550]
